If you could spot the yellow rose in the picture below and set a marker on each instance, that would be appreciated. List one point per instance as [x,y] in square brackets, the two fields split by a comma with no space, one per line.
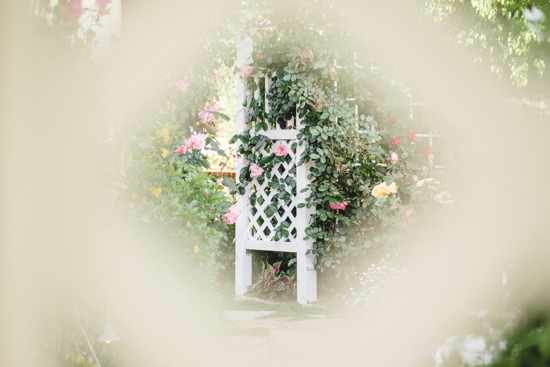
[156,190]
[382,190]
[392,189]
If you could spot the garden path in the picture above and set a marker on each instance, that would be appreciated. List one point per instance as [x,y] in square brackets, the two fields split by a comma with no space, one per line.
[264,335]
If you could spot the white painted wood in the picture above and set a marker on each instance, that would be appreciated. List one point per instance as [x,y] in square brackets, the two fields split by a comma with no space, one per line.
[306,273]
[243,259]
[281,134]
[277,246]
[255,230]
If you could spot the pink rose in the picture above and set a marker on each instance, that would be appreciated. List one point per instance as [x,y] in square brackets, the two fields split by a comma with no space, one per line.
[411,136]
[258,56]
[181,85]
[431,157]
[395,141]
[248,71]
[217,76]
[424,168]
[255,170]
[102,5]
[232,215]
[71,12]
[182,149]
[333,71]
[206,116]
[214,107]
[281,149]
[415,178]
[338,206]
[196,141]
[394,157]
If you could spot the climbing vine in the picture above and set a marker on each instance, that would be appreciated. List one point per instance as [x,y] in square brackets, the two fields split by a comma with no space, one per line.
[371,176]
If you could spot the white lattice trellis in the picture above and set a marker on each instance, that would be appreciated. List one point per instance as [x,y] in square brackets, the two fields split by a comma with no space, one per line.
[255,228]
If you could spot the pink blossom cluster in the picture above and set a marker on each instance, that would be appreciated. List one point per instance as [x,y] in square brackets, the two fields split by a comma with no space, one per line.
[255,170]
[338,206]
[258,56]
[206,114]
[281,149]
[217,76]
[406,216]
[232,215]
[195,141]
[102,6]
[181,85]
[248,71]
[71,12]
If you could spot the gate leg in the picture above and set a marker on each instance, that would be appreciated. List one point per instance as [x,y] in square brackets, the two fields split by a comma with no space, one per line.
[306,276]
[243,269]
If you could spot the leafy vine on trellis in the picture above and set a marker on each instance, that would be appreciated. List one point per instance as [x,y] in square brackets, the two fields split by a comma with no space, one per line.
[369,166]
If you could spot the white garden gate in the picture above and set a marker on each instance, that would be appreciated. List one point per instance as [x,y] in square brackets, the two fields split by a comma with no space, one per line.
[255,229]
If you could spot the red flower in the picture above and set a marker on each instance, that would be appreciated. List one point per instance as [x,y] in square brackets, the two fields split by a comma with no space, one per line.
[393,119]
[411,136]
[395,141]
[421,123]
[426,150]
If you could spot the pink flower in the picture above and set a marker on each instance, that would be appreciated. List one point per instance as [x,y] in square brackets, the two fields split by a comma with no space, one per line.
[338,206]
[411,136]
[232,215]
[213,107]
[206,116]
[424,168]
[394,157]
[248,71]
[415,178]
[281,149]
[182,149]
[71,12]
[255,170]
[102,5]
[276,268]
[217,76]
[431,157]
[258,56]
[196,141]
[181,85]
[395,141]
[333,71]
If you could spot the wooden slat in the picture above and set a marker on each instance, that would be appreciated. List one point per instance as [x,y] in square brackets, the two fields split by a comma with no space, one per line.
[278,246]
[281,134]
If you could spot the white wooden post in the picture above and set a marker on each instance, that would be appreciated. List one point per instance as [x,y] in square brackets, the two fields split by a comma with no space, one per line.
[306,273]
[243,259]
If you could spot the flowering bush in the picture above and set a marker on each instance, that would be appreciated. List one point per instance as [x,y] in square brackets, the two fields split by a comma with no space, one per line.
[366,165]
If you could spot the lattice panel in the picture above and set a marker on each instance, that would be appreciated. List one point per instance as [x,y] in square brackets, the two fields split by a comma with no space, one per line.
[261,225]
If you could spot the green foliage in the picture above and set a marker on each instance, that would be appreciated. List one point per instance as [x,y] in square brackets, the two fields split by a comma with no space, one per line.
[273,282]
[498,32]
[169,200]
[350,150]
